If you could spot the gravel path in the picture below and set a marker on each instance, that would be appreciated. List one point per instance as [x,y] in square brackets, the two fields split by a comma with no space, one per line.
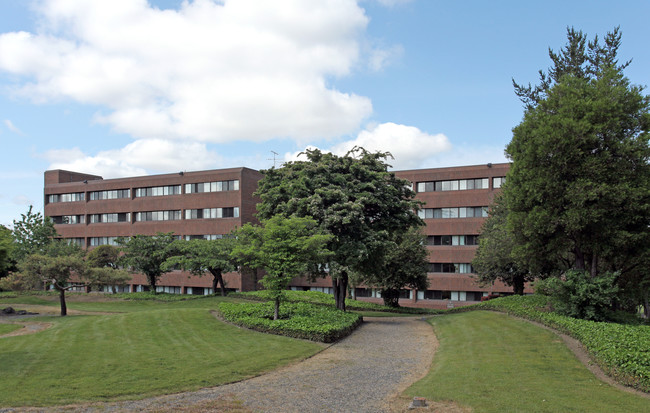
[362,373]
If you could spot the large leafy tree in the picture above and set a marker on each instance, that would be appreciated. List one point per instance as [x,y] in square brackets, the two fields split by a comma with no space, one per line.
[200,256]
[32,234]
[62,266]
[288,248]
[353,198]
[494,259]
[579,185]
[404,264]
[103,267]
[147,254]
[104,256]
[6,249]
[245,252]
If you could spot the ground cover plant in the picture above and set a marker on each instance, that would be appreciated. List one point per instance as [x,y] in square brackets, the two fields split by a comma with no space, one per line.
[132,349]
[300,320]
[491,362]
[622,351]
[316,297]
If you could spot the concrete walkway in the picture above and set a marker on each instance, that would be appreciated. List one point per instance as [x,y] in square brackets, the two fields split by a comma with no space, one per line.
[362,373]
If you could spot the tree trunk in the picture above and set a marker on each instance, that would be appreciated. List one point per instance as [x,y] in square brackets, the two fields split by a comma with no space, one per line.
[391,297]
[276,313]
[579,263]
[646,306]
[152,283]
[64,308]
[594,266]
[217,279]
[518,284]
[340,285]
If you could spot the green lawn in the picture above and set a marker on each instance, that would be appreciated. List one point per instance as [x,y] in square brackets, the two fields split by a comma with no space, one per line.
[145,348]
[494,363]
[8,328]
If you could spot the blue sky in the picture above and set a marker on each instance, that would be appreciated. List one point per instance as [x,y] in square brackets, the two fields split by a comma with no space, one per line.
[130,87]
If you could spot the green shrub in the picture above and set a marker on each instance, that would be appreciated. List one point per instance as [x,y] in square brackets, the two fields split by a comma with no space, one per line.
[148,295]
[299,320]
[579,295]
[40,293]
[623,351]
[316,297]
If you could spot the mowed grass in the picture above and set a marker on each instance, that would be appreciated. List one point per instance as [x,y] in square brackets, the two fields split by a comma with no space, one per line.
[491,362]
[8,328]
[143,349]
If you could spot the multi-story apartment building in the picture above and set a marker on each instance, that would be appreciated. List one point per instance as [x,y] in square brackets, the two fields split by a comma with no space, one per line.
[91,211]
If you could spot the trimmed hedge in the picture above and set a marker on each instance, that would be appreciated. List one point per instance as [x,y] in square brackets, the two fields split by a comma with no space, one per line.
[315,297]
[621,350]
[298,320]
[16,294]
[149,296]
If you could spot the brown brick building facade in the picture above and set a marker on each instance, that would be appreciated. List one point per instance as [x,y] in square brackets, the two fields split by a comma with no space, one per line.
[92,211]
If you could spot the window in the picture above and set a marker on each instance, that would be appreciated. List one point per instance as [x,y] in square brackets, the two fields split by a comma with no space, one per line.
[218,186]
[462,212]
[168,290]
[211,213]
[405,294]
[158,191]
[326,290]
[208,237]
[455,240]
[474,295]
[69,219]
[363,292]
[95,241]
[436,295]
[455,185]
[73,197]
[116,217]
[498,181]
[460,268]
[114,194]
[157,216]
[76,241]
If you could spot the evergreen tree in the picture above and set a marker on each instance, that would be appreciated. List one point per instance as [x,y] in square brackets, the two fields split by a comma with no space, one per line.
[579,186]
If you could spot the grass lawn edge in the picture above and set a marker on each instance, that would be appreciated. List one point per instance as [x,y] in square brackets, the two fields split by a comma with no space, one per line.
[600,369]
[581,353]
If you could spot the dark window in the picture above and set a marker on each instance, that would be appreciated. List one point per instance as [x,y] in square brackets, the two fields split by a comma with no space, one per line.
[363,292]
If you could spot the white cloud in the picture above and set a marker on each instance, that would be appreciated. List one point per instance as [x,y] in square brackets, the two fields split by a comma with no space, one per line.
[382,57]
[22,200]
[411,147]
[210,71]
[462,155]
[9,124]
[392,3]
[137,158]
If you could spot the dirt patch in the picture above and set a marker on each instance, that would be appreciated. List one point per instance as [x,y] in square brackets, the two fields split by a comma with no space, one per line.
[47,310]
[28,328]
[401,406]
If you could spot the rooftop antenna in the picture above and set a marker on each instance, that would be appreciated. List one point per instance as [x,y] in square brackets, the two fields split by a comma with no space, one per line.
[275,154]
